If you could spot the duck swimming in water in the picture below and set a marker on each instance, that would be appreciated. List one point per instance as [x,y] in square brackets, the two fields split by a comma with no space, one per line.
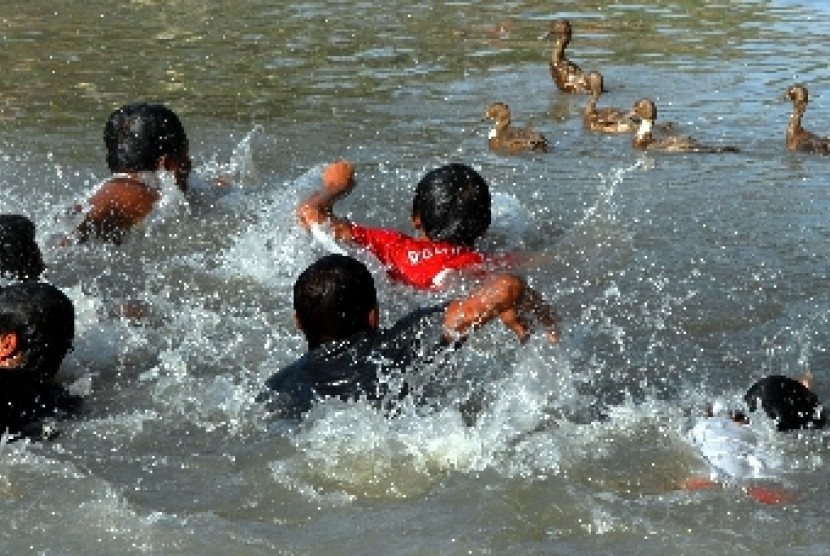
[645,111]
[569,77]
[503,137]
[606,120]
[798,138]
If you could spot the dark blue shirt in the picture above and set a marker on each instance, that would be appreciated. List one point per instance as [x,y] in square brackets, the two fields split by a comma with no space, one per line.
[29,407]
[363,366]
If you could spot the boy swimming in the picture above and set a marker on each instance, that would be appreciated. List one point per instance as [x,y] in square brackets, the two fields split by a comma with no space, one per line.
[142,140]
[732,449]
[349,354]
[450,211]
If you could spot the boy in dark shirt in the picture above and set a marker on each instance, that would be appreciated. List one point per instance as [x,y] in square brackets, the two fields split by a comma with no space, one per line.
[20,256]
[37,327]
[350,357]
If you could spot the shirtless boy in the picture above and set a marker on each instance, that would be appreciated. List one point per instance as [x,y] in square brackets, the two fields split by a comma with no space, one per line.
[141,140]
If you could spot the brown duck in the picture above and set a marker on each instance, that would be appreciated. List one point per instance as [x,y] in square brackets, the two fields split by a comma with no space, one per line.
[569,77]
[645,111]
[606,120]
[798,138]
[503,137]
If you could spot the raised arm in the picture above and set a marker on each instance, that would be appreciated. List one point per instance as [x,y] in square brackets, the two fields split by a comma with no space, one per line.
[318,208]
[505,296]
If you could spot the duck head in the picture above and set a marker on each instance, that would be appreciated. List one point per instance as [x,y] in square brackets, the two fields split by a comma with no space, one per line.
[644,109]
[499,112]
[559,28]
[798,95]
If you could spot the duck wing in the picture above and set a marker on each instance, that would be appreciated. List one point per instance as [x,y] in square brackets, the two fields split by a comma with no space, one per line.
[610,120]
[569,77]
[524,139]
[807,141]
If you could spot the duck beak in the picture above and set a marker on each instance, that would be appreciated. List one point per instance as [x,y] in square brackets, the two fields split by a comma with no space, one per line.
[545,35]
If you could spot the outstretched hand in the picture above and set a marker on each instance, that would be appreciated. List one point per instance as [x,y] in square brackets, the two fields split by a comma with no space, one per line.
[504,296]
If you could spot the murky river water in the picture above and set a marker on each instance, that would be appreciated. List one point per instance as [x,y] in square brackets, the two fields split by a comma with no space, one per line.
[680,278]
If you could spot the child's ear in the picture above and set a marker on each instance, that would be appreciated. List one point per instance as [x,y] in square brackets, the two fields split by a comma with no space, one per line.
[163,163]
[416,222]
[8,346]
[169,163]
[374,318]
[297,323]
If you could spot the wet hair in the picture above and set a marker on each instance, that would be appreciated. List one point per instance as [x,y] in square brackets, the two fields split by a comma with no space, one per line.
[44,320]
[333,298]
[453,204]
[788,402]
[20,256]
[137,135]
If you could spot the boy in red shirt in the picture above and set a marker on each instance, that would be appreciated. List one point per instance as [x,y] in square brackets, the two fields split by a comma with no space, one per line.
[451,208]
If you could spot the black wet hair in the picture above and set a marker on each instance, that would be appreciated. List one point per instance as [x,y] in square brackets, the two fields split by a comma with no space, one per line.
[453,204]
[20,256]
[44,320]
[787,401]
[333,298]
[137,135]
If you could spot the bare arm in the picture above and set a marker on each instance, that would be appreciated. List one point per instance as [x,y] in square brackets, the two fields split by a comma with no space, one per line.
[505,296]
[318,208]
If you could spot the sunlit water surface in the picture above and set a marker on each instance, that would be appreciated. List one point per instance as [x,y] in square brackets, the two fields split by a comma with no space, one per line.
[681,279]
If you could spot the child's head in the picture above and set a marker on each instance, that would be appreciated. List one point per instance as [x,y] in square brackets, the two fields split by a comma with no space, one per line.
[335,298]
[20,256]
[42,321]
[452,204]
[787,401]
[144,137]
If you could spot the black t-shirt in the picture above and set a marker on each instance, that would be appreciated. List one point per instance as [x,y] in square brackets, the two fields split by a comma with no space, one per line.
[29,407]
[369,365]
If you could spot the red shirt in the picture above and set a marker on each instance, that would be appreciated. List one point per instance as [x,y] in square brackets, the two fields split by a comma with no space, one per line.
[415,261]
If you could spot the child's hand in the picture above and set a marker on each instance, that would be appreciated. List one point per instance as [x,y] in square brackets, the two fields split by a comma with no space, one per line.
[338,178]
[318,208]
[533,304]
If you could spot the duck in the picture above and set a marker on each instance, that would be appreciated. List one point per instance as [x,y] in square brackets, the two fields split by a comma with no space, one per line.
[646,112]
[606,120]
[568,76]
[503,137]
[798,138]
